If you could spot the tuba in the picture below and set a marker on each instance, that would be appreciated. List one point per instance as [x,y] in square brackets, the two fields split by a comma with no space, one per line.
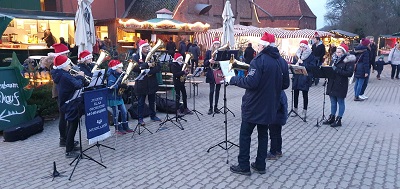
[149,57]
[188,56]
[131,65]
[104,55]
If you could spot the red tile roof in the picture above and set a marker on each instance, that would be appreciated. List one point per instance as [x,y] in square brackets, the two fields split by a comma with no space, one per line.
[164,11]
[285,8]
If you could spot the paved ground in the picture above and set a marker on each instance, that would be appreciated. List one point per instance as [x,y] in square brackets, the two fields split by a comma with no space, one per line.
[364,153]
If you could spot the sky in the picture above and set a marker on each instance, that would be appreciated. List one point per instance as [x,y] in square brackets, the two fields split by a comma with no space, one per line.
[318,8]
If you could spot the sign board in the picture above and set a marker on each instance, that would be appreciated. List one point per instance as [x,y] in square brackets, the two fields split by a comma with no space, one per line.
[13,96]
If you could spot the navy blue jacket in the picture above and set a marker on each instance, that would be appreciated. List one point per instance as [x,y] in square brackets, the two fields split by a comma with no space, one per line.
[177,72]
[149,84]
[112,77]
[263,84]
[337,85]
[362,66]
[303,82]
[182,48]
[282,114]
[86,68]
[66,87]
[207,69]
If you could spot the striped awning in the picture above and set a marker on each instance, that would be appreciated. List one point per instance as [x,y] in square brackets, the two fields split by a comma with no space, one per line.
[306,33]
[259,32]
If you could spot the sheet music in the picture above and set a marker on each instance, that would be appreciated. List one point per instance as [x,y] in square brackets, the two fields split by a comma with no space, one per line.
[142,74]
[301,70]
[77,94]
[97,78]
[225,67]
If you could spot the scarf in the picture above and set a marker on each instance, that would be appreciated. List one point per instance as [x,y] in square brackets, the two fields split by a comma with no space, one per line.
[303,54]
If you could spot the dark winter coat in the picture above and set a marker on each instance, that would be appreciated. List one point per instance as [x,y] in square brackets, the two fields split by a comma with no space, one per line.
[112,77]
[195,50]
[362,66]
[372,53]
[177,72]
[337,85]
[149,84]
[282,114]
[303,82]
[171,47]
[248,54]
[379,65]
[268,76]
[182,48]
[86,68]
[66,86]
[207,69]
[318,51]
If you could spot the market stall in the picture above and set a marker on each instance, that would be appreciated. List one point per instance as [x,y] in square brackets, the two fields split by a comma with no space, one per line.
[340,36]
[28,32]
[387,42]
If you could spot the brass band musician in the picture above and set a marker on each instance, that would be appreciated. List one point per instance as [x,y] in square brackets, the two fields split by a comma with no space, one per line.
[209,64]
[179,83]
[85,62]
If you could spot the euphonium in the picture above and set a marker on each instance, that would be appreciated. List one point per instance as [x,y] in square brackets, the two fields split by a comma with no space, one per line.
[149,57]
[188,56]
[104,55]
[131,65]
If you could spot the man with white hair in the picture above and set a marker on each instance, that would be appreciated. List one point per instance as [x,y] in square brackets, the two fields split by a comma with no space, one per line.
[265,80]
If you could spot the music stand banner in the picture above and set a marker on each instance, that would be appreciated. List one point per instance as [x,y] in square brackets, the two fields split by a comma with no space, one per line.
[96,115]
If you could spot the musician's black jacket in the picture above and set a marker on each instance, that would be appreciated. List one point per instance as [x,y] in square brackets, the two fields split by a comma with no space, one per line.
[177,72]
[86,68]
[149,84]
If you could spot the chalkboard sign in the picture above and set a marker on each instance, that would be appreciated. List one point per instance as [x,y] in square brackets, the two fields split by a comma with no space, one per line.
[13,107]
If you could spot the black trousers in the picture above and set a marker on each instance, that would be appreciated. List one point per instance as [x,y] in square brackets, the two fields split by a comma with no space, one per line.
[214,88]
[296,99]
[195,64]
[62,125]
[72,127]
[275,134]
[180,89]
[395,71]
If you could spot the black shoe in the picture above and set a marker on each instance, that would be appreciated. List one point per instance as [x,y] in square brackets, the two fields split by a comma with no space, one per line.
[63,143]
[216,110]
[338,122]
[210,111]
[253,166]
[358,99]
[238,170]
[72,154]
[330,120]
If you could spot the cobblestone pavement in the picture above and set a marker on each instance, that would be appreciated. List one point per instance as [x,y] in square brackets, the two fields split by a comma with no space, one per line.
[364,153]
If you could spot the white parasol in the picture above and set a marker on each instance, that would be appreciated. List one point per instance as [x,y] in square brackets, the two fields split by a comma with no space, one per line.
[228,23]
[84,33]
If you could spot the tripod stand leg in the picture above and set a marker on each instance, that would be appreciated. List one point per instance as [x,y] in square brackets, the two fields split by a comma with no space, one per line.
[77,161]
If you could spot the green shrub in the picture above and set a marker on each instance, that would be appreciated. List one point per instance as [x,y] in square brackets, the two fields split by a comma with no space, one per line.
[42,97]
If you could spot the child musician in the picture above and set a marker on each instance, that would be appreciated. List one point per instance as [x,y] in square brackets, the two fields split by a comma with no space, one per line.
[179,82]
[114,76]
[85,62]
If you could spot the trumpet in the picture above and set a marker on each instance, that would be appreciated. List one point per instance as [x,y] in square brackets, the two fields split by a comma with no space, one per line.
[188,56]
[72,71]
[104,55]
[131,65]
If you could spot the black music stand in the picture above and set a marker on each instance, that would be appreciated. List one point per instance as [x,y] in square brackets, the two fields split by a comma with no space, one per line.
[323,72]
[295,71]
[194,97]
[226,141]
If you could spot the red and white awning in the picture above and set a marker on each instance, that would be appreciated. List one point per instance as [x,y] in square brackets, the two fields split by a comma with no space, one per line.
[306,33]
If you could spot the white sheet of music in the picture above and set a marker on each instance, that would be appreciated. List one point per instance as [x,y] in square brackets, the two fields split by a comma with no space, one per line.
[95,76]
[225,67]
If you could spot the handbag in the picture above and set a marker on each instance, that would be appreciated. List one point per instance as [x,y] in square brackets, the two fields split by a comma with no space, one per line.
[218,76]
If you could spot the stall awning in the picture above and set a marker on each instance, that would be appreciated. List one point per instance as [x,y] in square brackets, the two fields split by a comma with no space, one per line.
[344,33]
[4,21]
[35,15]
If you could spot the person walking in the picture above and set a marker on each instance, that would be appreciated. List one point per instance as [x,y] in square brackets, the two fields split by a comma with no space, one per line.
[264,81]
[362,69]
[378,66]
[394,60]
[343,66]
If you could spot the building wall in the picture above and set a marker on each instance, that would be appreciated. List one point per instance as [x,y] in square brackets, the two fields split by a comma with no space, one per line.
[101,9]
[20,4]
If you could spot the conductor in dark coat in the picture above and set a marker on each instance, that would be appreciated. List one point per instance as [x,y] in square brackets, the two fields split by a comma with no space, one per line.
[148,85]
[260,103]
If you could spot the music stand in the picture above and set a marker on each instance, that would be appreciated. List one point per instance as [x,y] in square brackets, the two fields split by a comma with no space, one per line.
[296,70]
[97,78]
[323,72]
[81,155]
[194,97]
[225,107]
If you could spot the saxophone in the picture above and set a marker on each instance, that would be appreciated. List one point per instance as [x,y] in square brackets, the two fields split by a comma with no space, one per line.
[149,57]
[188,56]
[131,65]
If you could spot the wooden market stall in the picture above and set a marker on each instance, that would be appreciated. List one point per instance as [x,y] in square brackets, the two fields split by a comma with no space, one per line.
[387,42]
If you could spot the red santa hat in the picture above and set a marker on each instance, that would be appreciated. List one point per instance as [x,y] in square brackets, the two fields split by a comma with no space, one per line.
[142,43]
[267,39]
[177,56]
[114,64]
[216,40]
[344,47]
[85,55]
[59,49]
[61,62]
[303,43]
[316,34]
